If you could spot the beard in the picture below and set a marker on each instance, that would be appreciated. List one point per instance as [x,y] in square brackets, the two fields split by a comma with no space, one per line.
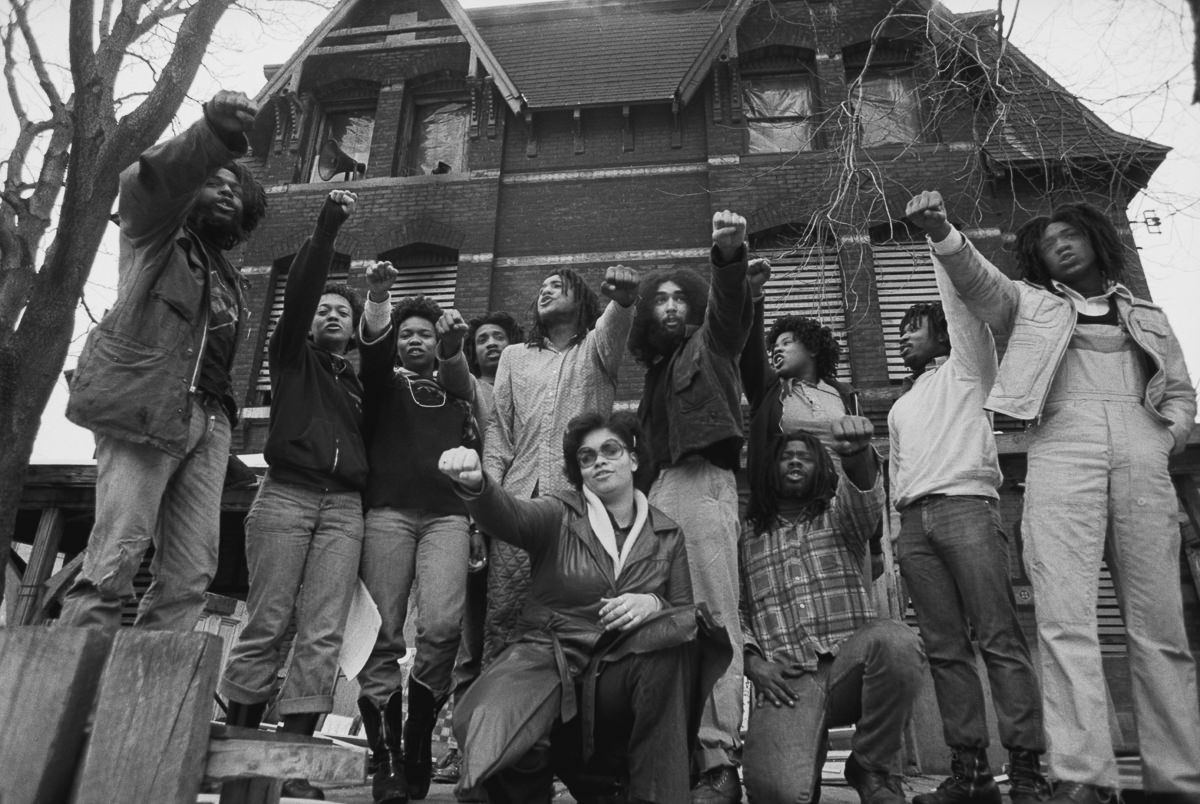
[225,234]
[662,341]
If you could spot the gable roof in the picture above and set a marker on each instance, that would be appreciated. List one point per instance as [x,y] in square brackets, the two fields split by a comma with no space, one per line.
[577,54]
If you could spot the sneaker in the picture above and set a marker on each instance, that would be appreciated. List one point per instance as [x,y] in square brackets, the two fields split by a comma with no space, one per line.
[447,769]
[874,787]
[1079,793]
[718,786]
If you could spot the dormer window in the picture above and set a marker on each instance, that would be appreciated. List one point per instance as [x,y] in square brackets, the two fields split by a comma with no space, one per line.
[344,144]
[439,136]
[779,101]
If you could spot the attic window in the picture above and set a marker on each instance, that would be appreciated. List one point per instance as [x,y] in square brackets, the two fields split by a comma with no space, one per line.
[439,136]
[779,100]
[883,90]
[343,144]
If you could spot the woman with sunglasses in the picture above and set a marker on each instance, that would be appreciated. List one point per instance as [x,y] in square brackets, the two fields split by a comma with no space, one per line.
[417,404]
[601,681]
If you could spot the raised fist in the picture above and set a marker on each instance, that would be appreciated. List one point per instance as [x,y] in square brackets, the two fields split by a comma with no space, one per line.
[758,271]
[339,206]
[451,329]
[620,284]
[230,112]
[461,464]
[928,212]
[380,278]
[729,233]
[852,434]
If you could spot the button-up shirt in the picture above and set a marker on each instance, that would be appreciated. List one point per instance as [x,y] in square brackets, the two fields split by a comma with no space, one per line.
[803,592]
[539,389]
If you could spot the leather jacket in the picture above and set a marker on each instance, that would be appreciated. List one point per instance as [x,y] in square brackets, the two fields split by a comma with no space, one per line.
[1040,323]
[141,362]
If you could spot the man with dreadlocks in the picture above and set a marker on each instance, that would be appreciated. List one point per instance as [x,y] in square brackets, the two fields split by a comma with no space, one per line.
[567,367]
[954,555]
[815,650]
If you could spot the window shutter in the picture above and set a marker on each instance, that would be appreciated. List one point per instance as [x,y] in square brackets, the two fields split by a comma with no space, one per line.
[809,283]
[339,272]
[904,276]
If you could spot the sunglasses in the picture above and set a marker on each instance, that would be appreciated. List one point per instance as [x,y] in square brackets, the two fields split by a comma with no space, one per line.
[426,393]
[610,449]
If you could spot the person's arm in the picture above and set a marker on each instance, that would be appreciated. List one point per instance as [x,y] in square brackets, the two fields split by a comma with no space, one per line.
[376,346]
[729,314]
[679,590]
[1179,395]
[972,346]
[306,279]
[770,678]
[985,290]
[756,371]
[859,498]
[498,449]
[453,373]
[157,191]
[527,524]
[611,332]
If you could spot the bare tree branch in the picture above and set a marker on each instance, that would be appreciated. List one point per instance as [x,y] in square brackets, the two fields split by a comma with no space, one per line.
[20,12]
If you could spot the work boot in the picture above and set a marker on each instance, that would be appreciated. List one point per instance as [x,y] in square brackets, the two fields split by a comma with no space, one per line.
[874,787]
[418,738]
[970,781]
[447,769]
[301,723]
[386,764]
[718,786]
[248,716]
[1079,793]
[1026,784]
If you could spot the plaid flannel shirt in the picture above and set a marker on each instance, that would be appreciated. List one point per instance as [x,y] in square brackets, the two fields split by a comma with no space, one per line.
[802,585]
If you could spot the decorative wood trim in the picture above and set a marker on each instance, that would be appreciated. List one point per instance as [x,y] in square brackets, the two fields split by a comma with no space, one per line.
[489,91]
[626,129]
[577,124]
[676,125]
[531,144]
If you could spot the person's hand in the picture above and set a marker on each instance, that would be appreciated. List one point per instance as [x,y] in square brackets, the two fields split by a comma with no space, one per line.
[758,271]
[626,611]
[927,211]
[339,206]
[620,284]
[770,680]
[729,233]
[852,434]
[461,464]
[451,329]
[380,278]
[230,112]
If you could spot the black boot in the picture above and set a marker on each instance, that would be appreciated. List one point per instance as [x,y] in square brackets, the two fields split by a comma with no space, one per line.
[248,716]
[301,723]
[970,781]
[1026,784]
[384,728]
[418,738]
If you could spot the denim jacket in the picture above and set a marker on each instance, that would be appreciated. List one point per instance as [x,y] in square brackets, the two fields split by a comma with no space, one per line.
[141,361]
[1040,324]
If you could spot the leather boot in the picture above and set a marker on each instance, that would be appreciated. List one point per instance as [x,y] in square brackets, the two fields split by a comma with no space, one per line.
[248,716]
[301,723]
[384,728]
[970,781]
[418,738]
[1026,784]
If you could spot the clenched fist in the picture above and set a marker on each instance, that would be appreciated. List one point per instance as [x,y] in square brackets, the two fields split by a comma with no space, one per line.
[928,211]
[729,233]
[461,464]
[451,329]
[620,284]
[758,271]
[230,112]
[852,434]
[339,206]
[380,278]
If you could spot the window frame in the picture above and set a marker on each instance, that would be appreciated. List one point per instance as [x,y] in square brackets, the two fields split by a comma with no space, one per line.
[781,63]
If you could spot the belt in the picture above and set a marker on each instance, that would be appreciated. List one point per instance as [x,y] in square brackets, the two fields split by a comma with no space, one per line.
[928,498]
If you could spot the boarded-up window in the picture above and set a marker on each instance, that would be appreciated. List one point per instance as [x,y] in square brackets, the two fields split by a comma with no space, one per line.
[777,109]
[888,108]
[904,277]
[344,143]
[439,140]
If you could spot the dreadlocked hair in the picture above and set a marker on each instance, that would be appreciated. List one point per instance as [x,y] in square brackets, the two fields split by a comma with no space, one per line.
[1091,222]
[763,505]
[643,345]
[586,312]
[254,203]
[931,312]
[815,337]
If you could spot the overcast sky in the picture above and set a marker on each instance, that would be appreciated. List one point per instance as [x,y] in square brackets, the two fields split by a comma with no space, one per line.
[1129,60]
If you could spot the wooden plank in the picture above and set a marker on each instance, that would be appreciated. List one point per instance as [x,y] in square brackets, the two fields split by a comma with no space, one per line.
[316,760]
[150,731]
[41,564]
[48,680]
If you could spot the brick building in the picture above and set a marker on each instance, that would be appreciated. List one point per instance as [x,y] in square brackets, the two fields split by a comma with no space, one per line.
[488,147]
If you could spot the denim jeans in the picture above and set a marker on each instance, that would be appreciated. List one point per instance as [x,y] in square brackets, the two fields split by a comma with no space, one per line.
[302,550]
[144,496]
[1098,483]
[703,500]
[399,544]
[871,683]
[954,560]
